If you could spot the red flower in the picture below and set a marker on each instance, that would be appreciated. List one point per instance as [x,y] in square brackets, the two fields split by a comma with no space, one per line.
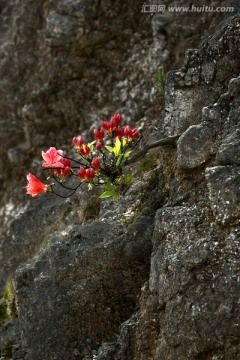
[78,142]
[81,148]
[105,125]
[96,164]
[118,133]
[35,186]
[90,174]
[82,173]
[135,133]
[99,145]
[66,162]
[130,133]
[109,127]
[117,119]
[85,150]
[52,158]
[86,174]
[99,134]
[127,132]
[112,123]
[65,170]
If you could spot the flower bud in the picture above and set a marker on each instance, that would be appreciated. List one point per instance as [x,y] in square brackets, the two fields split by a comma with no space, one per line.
[128,132]
[78,142]
[99,145]
[86,174]
[117,119]
[118,133]
[96,164]
[85,150]
[135,134]
[82,173]
[90,173]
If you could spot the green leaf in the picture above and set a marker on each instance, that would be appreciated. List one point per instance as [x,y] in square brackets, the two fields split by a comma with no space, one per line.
[127,154]
[117,147]
[124,142]
[108,186]
[115,196]
[106,194]
[91,145]
[109,148]
[117,181]
[128,179]
[119,159]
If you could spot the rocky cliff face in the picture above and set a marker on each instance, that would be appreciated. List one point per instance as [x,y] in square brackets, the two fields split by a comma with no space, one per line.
[156,275]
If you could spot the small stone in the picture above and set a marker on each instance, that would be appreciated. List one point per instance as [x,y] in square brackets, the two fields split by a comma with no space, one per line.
[195,146]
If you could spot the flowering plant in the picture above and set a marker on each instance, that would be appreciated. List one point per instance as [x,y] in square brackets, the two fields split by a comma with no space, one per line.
[100,163]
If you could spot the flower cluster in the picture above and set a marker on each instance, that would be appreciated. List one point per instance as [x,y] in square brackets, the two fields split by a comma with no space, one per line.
[100,163]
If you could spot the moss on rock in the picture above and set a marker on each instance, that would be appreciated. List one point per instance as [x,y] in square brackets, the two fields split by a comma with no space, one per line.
[7,305]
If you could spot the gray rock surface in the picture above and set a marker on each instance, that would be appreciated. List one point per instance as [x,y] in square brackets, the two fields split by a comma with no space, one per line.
[195,146]
[224,193]
[156,276]
[91,283]
[203,78]
[228,150]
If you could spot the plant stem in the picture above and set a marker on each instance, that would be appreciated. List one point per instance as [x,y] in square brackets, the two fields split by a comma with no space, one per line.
[171,140]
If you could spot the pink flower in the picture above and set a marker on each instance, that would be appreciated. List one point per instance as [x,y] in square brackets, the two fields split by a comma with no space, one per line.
[117,119]
[99,134]
[35,186]
[78,142]
[99,145]
[96,164]
[86,174]
[52,158]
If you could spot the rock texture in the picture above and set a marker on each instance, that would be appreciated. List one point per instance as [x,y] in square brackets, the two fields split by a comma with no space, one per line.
[155,276]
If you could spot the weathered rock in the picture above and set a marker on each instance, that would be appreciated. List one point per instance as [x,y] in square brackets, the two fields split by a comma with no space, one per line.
[202,80]
[185,309]
[91,291]
[228,151]
[89,281]
[195,146]
[189,272]
[29,231]
[10,341]
[190,307]
[223,183]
